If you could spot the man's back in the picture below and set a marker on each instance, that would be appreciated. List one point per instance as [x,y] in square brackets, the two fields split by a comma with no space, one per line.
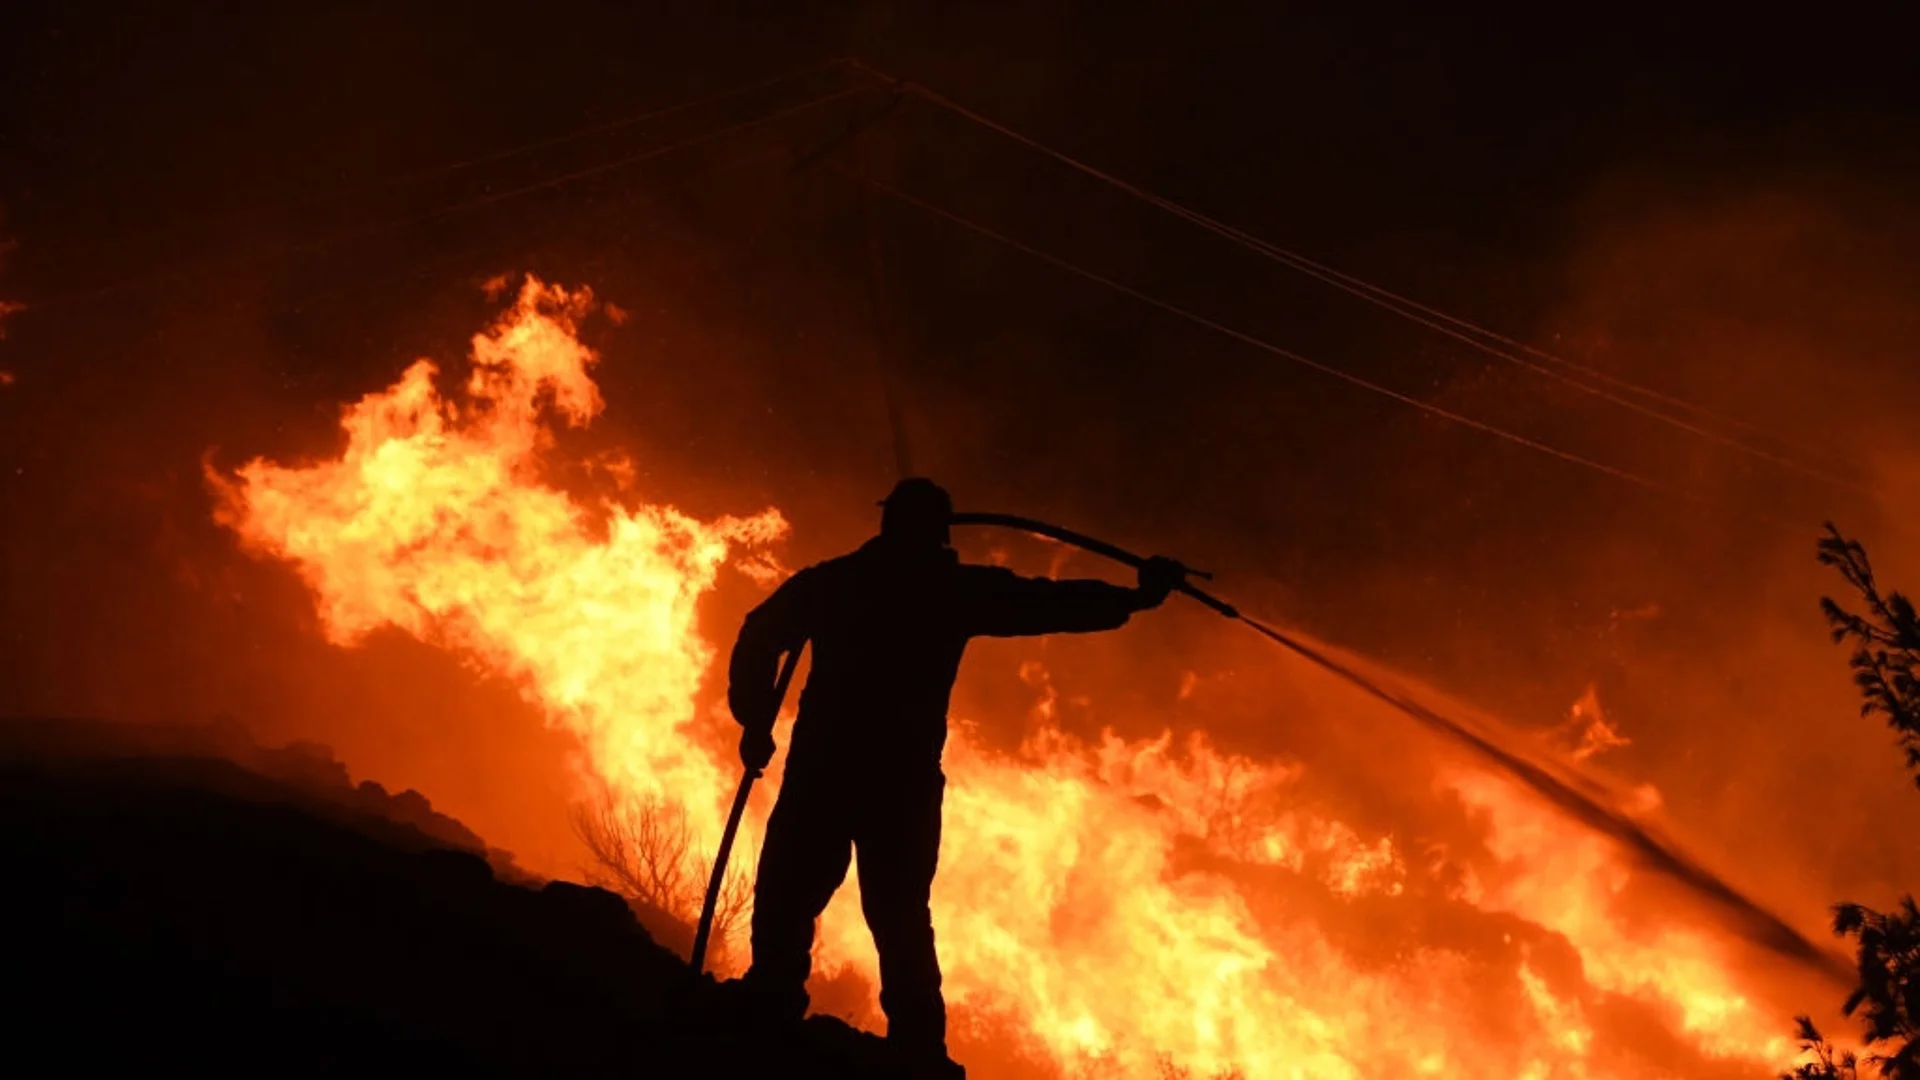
[889,624]
[888,631]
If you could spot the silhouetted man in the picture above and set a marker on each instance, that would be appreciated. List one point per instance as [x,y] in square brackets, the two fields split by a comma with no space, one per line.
[888,624]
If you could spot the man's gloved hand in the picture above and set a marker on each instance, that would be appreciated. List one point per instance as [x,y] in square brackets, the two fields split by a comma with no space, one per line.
[756,748]
[1158,577]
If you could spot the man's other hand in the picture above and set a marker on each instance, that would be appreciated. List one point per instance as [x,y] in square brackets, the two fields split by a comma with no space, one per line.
[1158,577]
[756,749]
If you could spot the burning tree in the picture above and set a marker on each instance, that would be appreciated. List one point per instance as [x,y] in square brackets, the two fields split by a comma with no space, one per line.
[1886,667]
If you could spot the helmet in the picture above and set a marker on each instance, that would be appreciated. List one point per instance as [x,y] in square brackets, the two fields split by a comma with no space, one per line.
[917,511]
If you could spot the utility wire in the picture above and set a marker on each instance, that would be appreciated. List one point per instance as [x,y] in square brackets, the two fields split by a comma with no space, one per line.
[1462,330]
[1433,318]
[1284,353]
[566,178]
[448,168]
[478,202]
[738,90]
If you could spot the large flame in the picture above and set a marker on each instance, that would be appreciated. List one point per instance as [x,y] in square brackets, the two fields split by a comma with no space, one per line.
[1101,905]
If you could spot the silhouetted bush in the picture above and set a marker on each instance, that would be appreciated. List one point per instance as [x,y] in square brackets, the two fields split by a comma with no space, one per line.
[1886,667]
[643,850]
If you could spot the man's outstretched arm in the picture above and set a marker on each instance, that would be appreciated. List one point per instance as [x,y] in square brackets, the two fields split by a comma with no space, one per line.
[781,624]
[1008,605]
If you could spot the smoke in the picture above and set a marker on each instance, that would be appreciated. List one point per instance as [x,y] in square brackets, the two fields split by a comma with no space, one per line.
[1780,301]
[8,308]
[746,377]
[221,631]
[1517,582]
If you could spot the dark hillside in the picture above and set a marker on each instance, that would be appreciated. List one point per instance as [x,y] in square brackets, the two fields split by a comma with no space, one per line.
[178,909]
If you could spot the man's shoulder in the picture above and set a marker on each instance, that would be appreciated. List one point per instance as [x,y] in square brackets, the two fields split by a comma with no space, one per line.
[838,568]
[984,573]
[839,564]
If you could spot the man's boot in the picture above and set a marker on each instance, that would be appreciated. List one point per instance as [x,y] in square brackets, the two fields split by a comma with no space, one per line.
[752,1003]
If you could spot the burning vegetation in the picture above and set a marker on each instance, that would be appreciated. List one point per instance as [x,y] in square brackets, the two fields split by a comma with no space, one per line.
[1108,905]
[1537,396]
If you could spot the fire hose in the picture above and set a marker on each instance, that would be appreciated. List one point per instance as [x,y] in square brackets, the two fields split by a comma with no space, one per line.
[1759,925]
[718,877]
[703,934]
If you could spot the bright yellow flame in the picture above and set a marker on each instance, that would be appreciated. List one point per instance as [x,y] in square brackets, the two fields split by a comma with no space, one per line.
[1097,900]
[435,520]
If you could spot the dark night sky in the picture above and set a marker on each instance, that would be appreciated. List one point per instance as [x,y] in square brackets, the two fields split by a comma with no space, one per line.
[1362,130]
[1719,203]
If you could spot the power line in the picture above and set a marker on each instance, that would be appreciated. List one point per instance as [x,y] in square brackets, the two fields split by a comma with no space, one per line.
[714,98]
[447,168]
[1433,318]
[1475,336]
[478,202]
[566,178]
[1284,353]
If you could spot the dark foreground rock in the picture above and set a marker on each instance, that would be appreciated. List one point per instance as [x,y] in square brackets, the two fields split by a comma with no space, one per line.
[173,910]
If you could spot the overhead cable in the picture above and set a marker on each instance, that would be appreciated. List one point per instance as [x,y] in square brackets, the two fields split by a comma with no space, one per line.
[1489,342]
[1290,355]
[491,198]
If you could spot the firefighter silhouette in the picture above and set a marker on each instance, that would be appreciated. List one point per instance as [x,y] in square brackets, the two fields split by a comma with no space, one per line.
[888,624]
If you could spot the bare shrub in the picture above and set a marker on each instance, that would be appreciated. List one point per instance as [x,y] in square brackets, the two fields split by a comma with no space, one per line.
[643,849]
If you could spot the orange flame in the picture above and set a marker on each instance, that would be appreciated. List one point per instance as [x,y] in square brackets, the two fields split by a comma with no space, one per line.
[435,521]
[1101,904]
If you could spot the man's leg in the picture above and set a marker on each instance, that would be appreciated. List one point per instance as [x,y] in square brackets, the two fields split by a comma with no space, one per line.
[899,841]
[803,861]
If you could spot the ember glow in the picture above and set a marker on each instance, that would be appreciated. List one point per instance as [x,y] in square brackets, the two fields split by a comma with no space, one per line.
[1105,907]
